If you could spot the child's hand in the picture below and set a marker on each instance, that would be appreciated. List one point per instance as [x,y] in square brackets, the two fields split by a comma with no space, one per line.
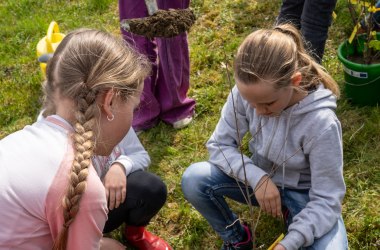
[268,196]
[115,183]
[279,247]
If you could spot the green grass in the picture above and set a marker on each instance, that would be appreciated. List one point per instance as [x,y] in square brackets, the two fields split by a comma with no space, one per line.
[220,27]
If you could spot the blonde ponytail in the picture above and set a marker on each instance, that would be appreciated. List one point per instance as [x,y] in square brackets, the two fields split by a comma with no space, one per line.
[274,55]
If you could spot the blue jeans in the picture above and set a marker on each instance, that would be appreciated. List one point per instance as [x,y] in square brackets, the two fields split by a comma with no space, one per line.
[205,186]
[313,18]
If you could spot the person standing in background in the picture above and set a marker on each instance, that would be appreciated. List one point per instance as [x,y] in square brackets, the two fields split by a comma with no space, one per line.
[165,92]
[313,18]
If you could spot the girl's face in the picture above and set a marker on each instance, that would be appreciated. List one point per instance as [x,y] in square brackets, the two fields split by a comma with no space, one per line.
[123,112]
[266,99]
[112,132]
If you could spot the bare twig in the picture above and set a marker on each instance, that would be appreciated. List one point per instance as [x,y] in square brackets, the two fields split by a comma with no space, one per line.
[239,144]
[246,193]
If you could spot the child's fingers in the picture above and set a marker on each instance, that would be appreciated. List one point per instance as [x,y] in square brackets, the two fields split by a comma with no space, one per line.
[120,194]
[278,207]
[268,196]
[111,200]
[264,206]
[123,194]
[117,198]
[272,202]
[270,206]
[273,207]
[277,212]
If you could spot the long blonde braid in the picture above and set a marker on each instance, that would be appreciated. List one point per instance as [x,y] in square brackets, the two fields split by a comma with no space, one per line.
[84,146]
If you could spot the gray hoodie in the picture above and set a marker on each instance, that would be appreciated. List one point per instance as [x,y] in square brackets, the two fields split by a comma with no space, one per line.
[303,144]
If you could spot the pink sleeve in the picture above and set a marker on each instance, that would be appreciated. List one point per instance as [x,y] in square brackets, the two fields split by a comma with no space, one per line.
[85,231]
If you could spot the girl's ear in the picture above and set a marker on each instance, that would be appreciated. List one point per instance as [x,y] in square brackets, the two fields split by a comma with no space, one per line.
[107,101]
[296,79]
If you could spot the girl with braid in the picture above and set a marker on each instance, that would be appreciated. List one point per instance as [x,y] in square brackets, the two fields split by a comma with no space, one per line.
[286,102]
[146,192]
[50,194]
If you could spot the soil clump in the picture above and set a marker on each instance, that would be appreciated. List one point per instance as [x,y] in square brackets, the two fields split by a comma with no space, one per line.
[163,23]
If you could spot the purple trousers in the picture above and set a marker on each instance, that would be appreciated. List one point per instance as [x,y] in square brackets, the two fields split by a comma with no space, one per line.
[165,90]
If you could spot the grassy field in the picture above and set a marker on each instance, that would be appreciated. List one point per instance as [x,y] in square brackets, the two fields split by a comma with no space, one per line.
[220,27]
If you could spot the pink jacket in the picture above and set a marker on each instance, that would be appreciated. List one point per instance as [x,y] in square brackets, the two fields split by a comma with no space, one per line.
[34,167]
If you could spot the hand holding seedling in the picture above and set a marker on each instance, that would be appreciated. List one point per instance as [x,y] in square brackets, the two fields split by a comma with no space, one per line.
[115,184]
[268,196]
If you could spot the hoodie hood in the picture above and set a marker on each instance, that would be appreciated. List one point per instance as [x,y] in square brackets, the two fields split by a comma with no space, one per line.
[321,98]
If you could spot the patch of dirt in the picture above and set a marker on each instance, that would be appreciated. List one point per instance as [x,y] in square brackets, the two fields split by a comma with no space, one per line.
[163,23]
[360,60]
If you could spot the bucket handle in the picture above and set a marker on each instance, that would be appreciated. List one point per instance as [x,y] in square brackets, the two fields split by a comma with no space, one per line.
[53,28]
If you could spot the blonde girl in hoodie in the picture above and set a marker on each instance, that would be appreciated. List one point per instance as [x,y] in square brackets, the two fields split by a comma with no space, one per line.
[286,101]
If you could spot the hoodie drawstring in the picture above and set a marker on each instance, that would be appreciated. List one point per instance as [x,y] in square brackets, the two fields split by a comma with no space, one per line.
[285,143]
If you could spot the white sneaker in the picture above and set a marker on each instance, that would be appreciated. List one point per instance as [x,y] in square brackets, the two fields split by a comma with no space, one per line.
[182,123]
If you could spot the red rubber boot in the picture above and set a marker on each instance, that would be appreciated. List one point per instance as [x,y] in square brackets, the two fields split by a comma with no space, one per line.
[140,238]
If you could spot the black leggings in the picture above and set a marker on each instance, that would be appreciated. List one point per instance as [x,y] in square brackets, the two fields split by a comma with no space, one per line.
[146,194]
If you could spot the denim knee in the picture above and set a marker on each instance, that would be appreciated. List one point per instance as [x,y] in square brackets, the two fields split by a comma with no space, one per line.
[193,180]
[336,238]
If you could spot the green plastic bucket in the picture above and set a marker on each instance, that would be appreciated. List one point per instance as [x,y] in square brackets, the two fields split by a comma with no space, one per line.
[362,81]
